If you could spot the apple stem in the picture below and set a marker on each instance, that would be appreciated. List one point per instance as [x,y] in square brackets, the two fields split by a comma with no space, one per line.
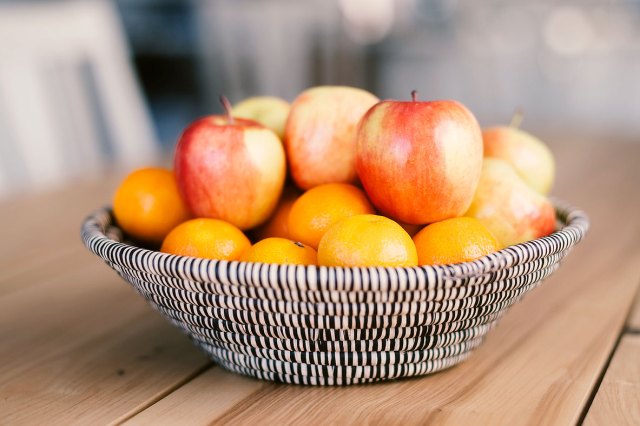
[414,95]
[516,119]
[227,108]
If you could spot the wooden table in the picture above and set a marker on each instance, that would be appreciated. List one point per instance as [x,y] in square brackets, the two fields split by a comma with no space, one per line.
[77,345]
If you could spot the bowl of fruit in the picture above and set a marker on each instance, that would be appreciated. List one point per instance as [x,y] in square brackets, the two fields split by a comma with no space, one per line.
[340,239]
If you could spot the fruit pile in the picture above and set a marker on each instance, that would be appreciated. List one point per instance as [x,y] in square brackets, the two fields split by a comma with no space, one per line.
[369,183]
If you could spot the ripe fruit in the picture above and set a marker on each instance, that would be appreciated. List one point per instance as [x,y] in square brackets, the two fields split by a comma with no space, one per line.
[508,207]
[230,169]
[207,238]
[419,162]
[320,134]
[147,204]
[270,111]
[320,207]
[278,223]
[367,240]
[281,251]
[460,239]
[529,156]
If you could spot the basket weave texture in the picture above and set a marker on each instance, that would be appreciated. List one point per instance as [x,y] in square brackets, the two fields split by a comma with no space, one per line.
[319,325]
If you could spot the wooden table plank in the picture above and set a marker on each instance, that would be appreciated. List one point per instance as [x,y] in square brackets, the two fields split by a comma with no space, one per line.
[44,227]
[633,323]
[618,399]
[77,344]
[84,347]
[211,394]
[539,366]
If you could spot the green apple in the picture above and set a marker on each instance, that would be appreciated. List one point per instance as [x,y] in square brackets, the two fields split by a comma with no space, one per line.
[270,111]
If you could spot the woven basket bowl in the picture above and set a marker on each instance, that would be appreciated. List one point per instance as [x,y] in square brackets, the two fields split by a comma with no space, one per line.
[329,325]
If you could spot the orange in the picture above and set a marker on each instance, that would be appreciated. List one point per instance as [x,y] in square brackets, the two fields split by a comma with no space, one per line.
[280,250]
[367,240]
[147,204]
[208,238]
[456,240]
[322,206]
[278,224]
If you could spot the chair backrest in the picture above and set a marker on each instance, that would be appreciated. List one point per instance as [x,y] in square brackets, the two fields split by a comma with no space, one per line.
[69,100]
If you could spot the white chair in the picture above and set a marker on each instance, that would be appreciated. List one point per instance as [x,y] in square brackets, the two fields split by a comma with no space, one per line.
[69,100]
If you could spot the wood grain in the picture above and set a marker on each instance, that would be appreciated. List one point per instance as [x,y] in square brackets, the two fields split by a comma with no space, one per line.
[538,367]
[633,322]
[44,228]
[214,392]
[618,399]
[77,344]
[84,347]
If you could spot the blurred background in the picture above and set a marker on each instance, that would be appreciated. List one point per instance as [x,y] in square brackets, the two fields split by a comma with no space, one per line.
[86,85]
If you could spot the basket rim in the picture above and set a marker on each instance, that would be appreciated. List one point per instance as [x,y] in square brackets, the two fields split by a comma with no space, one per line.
[99,234]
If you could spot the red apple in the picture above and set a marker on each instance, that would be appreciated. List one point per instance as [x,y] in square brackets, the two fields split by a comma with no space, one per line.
[230,169]
[320,134]
[419,162]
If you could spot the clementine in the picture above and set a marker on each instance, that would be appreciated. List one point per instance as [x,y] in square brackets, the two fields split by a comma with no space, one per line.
[282,251]
[207,238]
[460,239]
[322,206]
[147,204]
[367,240]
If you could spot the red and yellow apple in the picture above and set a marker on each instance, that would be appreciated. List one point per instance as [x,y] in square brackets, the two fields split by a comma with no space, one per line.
[320,134]
[528,155]
[419,162]
[230,169]
[270,111]
[508,207]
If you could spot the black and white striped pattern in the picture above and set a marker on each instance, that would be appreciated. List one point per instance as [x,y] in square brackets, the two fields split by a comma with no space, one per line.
[334,326]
